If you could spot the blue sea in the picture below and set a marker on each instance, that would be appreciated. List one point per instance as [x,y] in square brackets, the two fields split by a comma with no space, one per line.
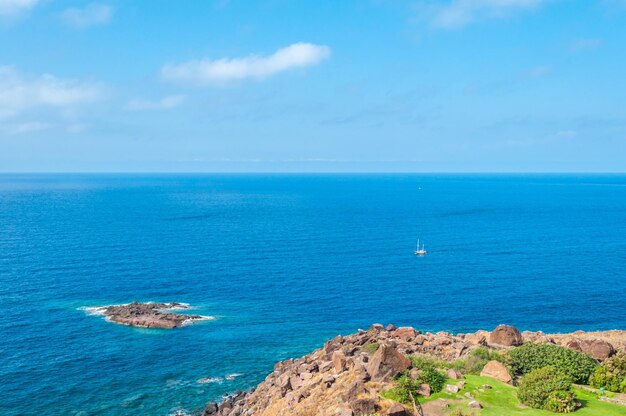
[282,262]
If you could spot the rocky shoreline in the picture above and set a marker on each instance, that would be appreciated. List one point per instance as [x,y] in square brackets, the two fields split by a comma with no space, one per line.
[347,375]
[149,315]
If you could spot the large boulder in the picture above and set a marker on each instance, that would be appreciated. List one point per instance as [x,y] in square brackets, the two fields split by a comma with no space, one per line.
[339,361]
[497,370]
[506,335]
[406,333]
[386,363]
[598,348]
[601,349]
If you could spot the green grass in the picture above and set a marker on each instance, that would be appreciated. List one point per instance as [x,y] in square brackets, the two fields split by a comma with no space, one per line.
[502,400]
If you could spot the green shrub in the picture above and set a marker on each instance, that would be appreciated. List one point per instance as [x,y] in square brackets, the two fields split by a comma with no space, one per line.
[370,347]
[529,357]
[433,378]
[536,387]
[611,374]
[405,386]
[477,360]
[561,402]
[422,362]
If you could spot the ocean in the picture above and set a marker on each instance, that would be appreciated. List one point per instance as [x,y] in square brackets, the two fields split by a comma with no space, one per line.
[282,262]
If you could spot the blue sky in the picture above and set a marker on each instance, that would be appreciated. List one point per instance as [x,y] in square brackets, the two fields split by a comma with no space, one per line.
[285,85]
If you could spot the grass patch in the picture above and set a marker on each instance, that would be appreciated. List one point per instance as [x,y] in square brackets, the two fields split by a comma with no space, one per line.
[502,399]
[370,347]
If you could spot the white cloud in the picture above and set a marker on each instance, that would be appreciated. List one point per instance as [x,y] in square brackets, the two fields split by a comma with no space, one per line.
[222,71]
[458,13]
[164,103]
[580,45]
[538,72]
[12,8]
[19,93]
[91,15]
[567,133]
[26,127]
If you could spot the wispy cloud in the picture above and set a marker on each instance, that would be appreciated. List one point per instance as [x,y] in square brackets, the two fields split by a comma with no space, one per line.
[581,45]
[26,127]
[20,92]
[91,15]
[164,103]
[208,72]
[458,13]
[567,133]
[14,8]
[538,72]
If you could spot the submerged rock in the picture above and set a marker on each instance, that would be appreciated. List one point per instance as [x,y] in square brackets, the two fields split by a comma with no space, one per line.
[149,315]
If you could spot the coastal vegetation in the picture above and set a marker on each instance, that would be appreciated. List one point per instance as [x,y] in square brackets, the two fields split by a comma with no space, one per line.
[547,388]
[531,356]
[389,371]
[611,374]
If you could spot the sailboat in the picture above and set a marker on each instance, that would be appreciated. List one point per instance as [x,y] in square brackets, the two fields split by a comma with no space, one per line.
[420,251]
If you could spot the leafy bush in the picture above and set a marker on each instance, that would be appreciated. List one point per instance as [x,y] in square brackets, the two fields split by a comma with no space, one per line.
[529,357]
[561,402]
[405,387]
[433,378]
[611,374]
[536,387]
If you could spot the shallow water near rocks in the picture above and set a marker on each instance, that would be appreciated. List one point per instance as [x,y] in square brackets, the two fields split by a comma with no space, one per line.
[282,262]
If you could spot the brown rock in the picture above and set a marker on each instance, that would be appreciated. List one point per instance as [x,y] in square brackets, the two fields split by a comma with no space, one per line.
[497,370]
[397,410]
[364,406]
[476,339]
[406,333]
[149,315]
[424,390]
[339,361]
[352,393]
[386,363]
[598,348]
[506,335]
[454,374]
[452,389]
[474,405]
[601,350]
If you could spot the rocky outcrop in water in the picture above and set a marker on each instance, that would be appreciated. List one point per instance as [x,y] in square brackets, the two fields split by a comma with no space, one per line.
[346,376]
[149,315]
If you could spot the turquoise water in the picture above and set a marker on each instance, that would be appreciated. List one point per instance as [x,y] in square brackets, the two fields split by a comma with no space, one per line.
[282,262]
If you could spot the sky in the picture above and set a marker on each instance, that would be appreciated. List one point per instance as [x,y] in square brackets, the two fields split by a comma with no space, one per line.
[313,86]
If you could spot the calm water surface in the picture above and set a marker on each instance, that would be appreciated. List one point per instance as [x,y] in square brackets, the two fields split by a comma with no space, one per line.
[283,262]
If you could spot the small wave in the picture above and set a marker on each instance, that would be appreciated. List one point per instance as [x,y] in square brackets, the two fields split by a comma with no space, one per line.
[179,412]
[201,318]
[209,380]
[233,376]
[93,310]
